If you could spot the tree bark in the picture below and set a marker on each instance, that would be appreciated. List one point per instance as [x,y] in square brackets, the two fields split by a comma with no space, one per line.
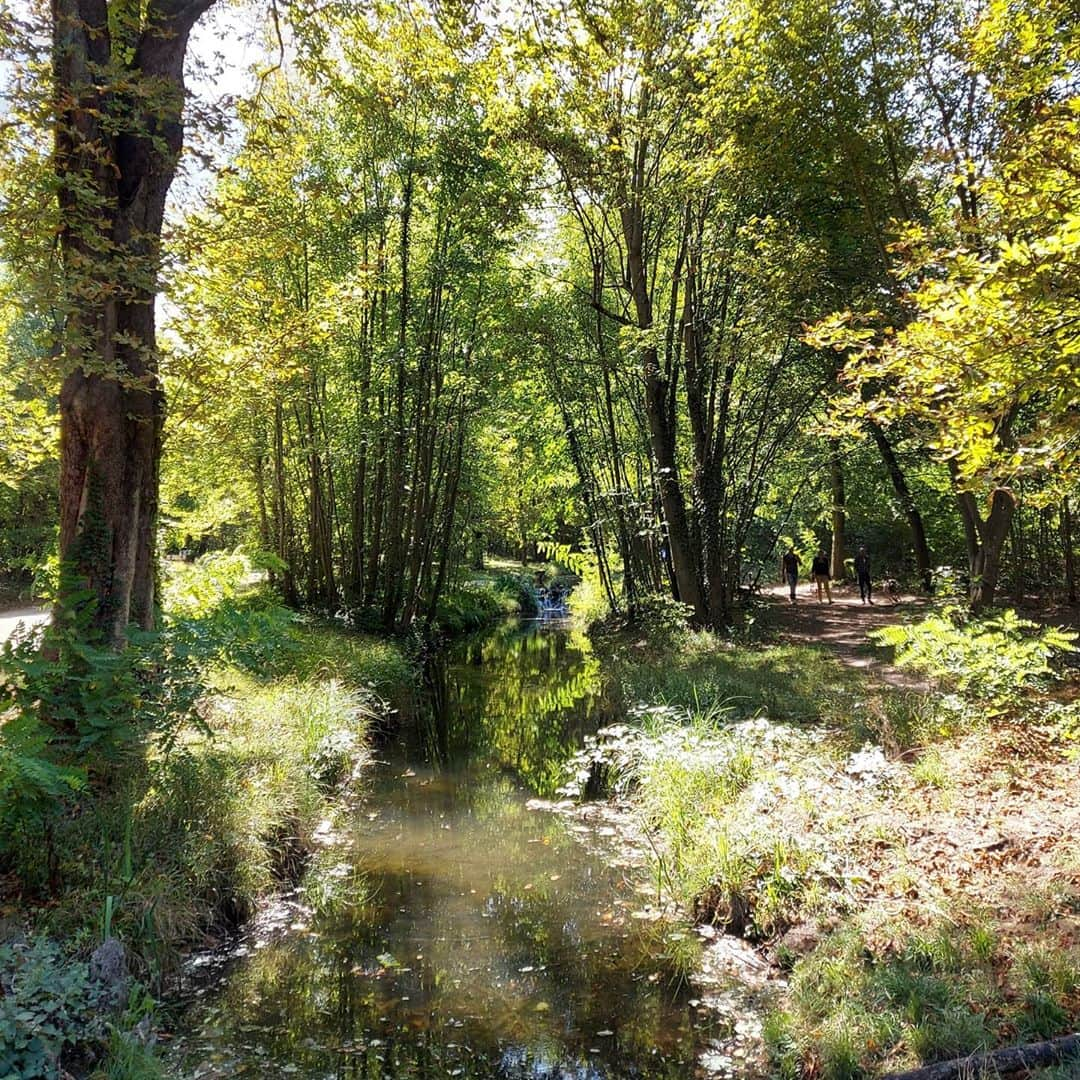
[986,539]
[907,501]
[118,93]
[839,512]
[662,435]
[1070,551]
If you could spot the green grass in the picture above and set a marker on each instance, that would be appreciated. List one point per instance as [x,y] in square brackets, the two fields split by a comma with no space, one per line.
[188,843]
[734,845]
[700,671]
[174,842]
[767,776]
[928,995]
[126,1058]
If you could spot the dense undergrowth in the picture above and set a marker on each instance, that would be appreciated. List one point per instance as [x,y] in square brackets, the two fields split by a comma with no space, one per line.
[157,796]
[871,838]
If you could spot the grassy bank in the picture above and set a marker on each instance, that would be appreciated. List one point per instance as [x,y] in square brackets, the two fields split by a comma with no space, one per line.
[194,790]
[908,858]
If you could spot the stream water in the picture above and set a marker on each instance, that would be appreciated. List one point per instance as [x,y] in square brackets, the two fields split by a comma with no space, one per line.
[457,925]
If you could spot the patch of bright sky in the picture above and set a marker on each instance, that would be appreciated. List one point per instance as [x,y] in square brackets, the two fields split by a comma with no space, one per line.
[226,52]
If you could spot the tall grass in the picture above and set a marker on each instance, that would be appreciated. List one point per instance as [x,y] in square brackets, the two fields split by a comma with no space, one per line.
[907,995]
[173,842]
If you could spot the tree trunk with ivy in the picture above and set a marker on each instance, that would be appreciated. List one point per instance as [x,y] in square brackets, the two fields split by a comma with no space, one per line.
[119,94]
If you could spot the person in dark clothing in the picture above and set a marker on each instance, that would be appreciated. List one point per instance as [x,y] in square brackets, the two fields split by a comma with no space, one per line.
[820,573]
[862,572]
[789,571]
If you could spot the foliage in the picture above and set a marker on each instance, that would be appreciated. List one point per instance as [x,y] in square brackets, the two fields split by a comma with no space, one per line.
[700,671]
[48,1006]
[189,842]
[34,784]
[521,588]
[473,607]
[214,580]
[993,663]
[910,995]
[70,703]
[28,470]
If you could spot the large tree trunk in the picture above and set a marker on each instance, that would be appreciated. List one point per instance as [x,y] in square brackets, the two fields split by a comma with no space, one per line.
[985,540]
[662,434]
[118,135]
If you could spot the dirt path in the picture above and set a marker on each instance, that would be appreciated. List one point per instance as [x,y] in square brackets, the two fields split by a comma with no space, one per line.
[843,625]
[11,618]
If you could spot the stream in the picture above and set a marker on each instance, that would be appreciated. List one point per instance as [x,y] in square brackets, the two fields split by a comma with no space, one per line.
[459,923]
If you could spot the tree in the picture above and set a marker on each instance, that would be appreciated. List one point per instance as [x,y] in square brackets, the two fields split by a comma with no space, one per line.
[987,368]
[118,99]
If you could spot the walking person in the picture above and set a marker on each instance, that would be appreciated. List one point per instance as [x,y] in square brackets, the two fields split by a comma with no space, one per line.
[862,572]
[789,570]
[819,571]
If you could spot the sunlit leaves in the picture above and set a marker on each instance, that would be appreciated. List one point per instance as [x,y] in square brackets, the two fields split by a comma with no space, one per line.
[987,365]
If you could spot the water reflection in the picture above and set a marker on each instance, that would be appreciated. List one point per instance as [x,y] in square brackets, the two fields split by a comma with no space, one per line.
[452,931]
[520,697]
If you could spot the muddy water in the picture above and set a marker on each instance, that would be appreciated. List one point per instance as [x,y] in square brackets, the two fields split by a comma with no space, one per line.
[456,926]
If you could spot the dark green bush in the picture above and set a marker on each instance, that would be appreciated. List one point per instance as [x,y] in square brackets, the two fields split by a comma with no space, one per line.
[71,704]
[521,589]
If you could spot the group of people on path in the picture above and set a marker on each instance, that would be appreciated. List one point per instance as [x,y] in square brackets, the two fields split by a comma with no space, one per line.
[822,577]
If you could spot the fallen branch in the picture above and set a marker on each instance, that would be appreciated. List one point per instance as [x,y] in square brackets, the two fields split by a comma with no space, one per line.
[997,1062]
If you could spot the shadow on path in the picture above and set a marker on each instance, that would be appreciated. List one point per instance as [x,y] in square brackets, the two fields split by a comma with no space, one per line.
[843,626]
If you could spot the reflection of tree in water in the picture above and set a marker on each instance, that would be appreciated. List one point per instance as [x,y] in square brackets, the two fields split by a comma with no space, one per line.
[523,697]
[336,1002]
[454,932]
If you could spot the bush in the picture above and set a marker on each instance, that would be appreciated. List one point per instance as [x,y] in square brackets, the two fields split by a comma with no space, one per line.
[658,618]
[55,1018]
[521,589]
[994,663]
[472,608]
[192,803]
[70,704]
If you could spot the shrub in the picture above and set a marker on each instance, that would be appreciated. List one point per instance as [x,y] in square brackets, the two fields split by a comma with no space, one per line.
[54,1018]
[521,589]
[69,703]
[995,661]
[660,618]
[472,607]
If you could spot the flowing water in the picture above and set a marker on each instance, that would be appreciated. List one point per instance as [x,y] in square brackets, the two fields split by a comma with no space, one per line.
[456,925]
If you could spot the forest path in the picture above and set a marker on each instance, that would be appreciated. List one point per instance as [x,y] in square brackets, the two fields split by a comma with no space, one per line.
[10,618]
[844,625]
